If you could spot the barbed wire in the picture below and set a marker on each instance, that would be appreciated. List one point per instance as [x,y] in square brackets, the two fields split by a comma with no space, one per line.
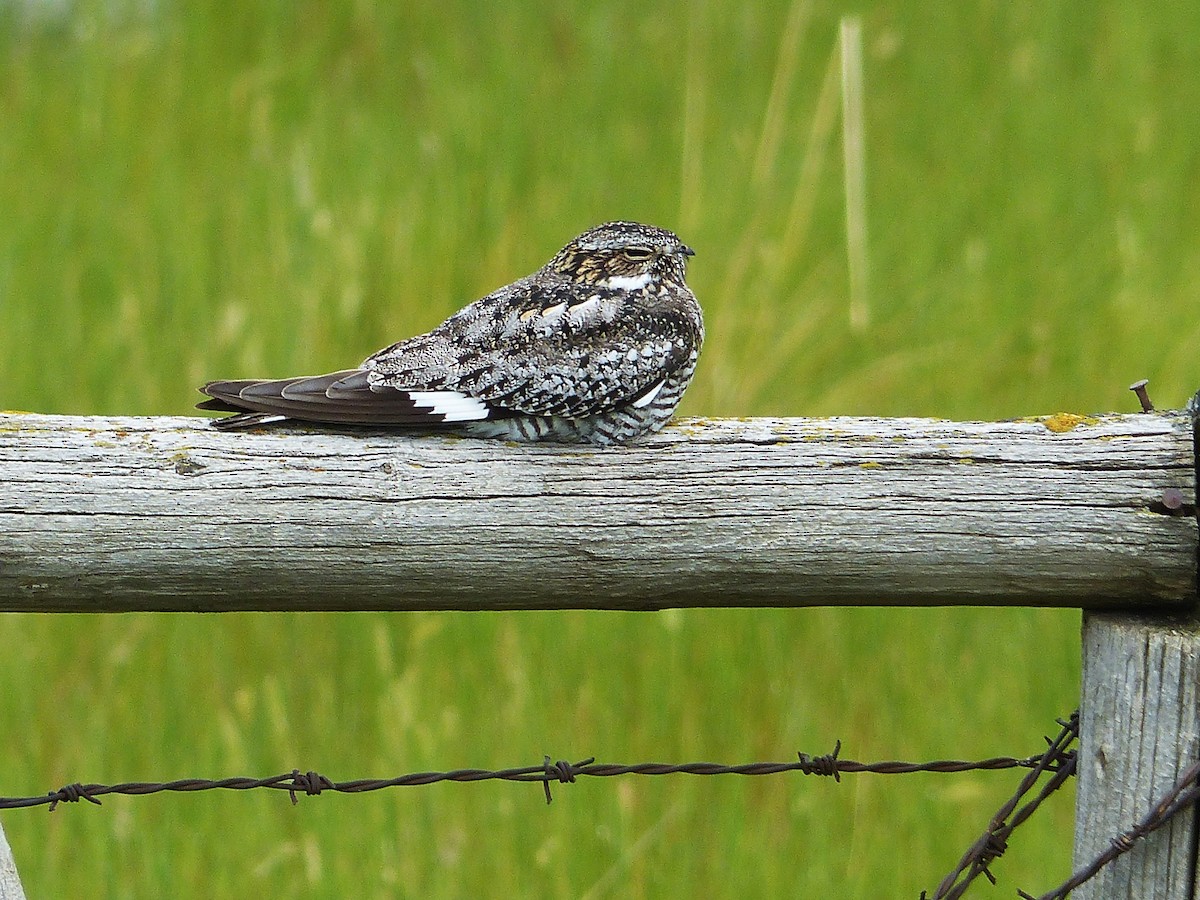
[1058,761]
[313,783]
[1182,795]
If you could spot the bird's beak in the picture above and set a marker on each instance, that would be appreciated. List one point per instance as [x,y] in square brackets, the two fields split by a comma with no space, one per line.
[685,250]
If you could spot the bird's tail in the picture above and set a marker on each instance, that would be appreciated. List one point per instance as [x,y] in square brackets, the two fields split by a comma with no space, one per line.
[339,398]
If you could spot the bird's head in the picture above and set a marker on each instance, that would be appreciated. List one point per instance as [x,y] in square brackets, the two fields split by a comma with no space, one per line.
[623,255]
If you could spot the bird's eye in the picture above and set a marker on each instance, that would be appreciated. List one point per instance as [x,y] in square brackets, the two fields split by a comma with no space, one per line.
[637,253]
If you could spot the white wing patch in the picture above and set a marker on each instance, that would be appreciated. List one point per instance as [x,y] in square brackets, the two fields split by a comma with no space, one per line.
[647,398]
[453,406]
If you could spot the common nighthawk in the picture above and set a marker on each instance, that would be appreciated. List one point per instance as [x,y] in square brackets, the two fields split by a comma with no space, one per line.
[597,345]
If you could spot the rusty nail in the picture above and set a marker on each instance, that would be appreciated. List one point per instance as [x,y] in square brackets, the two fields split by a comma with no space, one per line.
[1139,388]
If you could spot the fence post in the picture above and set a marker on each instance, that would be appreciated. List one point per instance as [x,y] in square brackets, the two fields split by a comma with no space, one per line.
[10,884]
[1139,731]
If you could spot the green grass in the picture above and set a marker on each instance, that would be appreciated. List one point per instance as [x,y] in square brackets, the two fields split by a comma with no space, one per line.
[277,188]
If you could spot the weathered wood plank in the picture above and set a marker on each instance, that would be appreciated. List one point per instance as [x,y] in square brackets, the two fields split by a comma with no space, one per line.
[169,514]
[1139,731]
[10,882]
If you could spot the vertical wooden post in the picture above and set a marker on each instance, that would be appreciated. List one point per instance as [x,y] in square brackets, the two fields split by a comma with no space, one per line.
[10,884]
[1139,731]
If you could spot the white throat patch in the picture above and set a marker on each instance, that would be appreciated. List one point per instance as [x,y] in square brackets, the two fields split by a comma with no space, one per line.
[626,282]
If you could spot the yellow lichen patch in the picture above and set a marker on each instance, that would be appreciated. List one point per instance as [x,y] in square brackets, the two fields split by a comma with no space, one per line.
[690,427]
[871,464]
[1060,422]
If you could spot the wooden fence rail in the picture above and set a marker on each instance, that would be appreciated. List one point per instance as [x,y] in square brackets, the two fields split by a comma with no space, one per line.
[100,514]
[113,514]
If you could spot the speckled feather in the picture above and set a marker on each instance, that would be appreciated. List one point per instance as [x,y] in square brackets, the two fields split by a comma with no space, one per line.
[598,345]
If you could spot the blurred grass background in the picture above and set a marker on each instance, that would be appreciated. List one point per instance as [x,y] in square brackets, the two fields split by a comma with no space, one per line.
[206,189]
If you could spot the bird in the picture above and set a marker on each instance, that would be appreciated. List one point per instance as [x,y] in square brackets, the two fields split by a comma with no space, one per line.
[597,346]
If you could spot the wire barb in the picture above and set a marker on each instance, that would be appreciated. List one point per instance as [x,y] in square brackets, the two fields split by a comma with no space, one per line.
[71,793]
[562,772]
[822,765]
[312,783]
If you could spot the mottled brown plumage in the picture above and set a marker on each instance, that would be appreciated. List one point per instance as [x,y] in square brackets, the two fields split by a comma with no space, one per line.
[598,345]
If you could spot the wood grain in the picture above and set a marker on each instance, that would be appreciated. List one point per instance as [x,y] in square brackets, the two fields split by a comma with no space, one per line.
[1139,732]
[169,514]
[10,882]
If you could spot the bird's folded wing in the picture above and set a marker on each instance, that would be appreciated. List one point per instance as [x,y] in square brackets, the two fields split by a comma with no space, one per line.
[540,356]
